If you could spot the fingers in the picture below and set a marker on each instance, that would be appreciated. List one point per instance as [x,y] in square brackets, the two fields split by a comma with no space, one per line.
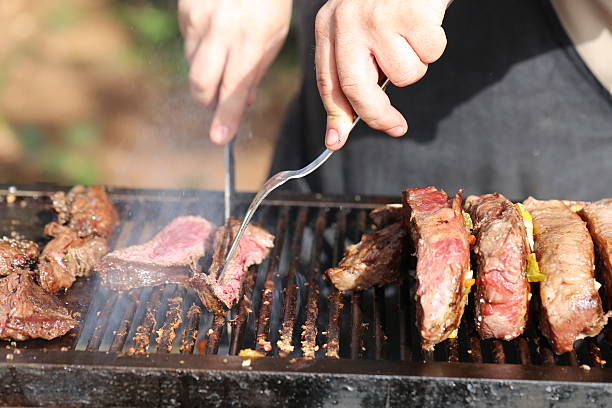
[207,70]
[358,76]
[428,42]
[234,92]
[398,60]
[339,110]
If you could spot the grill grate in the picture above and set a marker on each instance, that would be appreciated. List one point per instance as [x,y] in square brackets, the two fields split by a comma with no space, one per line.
[288,308]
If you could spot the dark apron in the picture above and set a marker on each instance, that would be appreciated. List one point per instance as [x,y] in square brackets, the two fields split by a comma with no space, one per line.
[509,107]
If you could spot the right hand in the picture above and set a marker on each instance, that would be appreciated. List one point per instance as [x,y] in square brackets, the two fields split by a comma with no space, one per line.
[355,40]
[229,46]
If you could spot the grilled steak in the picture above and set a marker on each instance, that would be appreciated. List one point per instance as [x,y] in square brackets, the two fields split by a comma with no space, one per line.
[374,261]
[16,254]
[598,217]
[220,295]
[386,215]
[502,290]
[571,307]
[67,256]
[167,258]
[87,210]
[27,311]
[441,240]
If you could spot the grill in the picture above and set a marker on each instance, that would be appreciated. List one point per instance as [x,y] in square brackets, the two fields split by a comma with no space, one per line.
[160,347]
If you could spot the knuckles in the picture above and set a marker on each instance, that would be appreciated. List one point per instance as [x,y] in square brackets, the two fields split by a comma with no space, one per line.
[407,75]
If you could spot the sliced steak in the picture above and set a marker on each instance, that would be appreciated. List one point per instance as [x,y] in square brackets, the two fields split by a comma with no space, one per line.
[386,215]
[571,307]
[502,289]
[374,261]
[27,311]
[598,217]
[220,295]
[87,210]
[442,245]
[67,256]
[16,254]
[167,258]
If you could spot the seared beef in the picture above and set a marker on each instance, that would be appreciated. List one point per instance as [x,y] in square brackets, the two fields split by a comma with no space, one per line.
[386,215]
[67,256]
[16,253]
[571,307]
[374,261]
[442,245]
[253,249]
[87,210]
[166,258]
[502,290]
[27,311]
[598,216]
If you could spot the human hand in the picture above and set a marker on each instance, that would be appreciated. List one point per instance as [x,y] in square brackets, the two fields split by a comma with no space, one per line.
[229,46]
[355,41]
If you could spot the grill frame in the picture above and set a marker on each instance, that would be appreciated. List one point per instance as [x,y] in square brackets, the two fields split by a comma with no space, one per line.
[38,377]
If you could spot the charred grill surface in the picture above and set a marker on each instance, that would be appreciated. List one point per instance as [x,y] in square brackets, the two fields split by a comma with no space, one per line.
[171,330]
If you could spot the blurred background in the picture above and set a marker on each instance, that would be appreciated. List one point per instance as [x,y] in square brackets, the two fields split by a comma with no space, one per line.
[96,91]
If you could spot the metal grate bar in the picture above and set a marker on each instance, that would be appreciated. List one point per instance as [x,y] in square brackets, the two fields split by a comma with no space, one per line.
[357,303]
[267,297]
[285,342]
[379,322]
[190,329]
[143,332]
[126,321]
[102,321]
[244,310]
[309,333]
[172,321]
[336,297]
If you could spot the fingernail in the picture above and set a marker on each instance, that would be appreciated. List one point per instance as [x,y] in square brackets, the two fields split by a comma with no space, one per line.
[332,137]
[396,131]
[220,134]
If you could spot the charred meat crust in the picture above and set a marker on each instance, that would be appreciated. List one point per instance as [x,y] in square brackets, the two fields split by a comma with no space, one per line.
[501,249]
[27,311]
[598,217]
[87,210]
[17,254]
[67,256]
[167,258]
[374,261]
[386,215]
[441,239]
[571,307]
[220,295]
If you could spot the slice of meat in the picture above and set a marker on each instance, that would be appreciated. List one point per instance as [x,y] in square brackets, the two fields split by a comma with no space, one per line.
[598,217]
[16,254]
[220,295]
[571,307]
[373,261]
[502,291]
[67,256]
[386,215]
[27,311]
[442,245]
[87,210]
[167,258]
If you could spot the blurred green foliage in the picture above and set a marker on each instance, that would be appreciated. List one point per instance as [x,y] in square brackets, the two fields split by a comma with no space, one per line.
[63,16]
[71,159]
[157,41]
